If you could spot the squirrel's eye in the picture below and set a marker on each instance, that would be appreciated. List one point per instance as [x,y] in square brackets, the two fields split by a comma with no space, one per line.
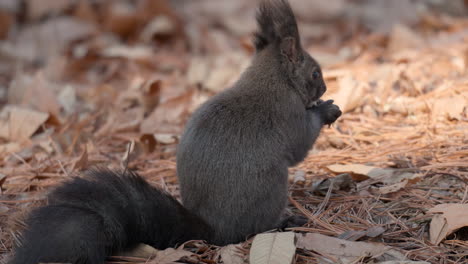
[315,75]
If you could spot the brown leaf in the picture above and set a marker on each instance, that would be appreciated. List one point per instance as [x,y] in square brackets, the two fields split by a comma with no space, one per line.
[39,42]
[6,21]
[39,8]
[454,217]
[151,94]
[394,187]
[138,52]
[346,251]
[35,92]
[350,94]
[169,256]
[149,142]
[403,262]
[403,38]
[450,108]
[356,235]
[168,117]
[121,18]
[217,74]
[160,25]
[360,172]
[231,254]
[82,161]
[21,123]
[141,251]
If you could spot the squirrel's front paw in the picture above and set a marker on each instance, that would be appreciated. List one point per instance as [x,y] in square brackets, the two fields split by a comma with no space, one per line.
[329,112]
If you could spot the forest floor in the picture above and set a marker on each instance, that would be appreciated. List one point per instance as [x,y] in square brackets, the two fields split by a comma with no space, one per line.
[111,83]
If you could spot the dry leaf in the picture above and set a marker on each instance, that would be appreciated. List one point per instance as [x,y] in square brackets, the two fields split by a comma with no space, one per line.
[394,187]
[151,94]
[168,116]
[356,235]
[11,147]
[6,21]
[169,256]
[67,99]
[346,251]
[405,105]
[159,26]
[82,161]
[21,123]
[39,42]
[403,262]
[403,38]
[217,74]
[451,108]
[350,94]
[35,92]
[39,8]
[121,18]
[272,248]
[140,251]
[139,52]
[454,217]
[230,254]
[361,172]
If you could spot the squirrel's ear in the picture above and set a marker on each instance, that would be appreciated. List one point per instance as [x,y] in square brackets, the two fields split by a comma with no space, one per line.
[290,49]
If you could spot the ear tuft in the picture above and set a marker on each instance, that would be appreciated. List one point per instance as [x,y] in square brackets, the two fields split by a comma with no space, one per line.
[290,49]
[276,22]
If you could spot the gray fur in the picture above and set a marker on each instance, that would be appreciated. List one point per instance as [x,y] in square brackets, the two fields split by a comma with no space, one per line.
[233,159]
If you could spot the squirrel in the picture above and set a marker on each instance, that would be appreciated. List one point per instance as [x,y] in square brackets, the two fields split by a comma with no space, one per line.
[232,164]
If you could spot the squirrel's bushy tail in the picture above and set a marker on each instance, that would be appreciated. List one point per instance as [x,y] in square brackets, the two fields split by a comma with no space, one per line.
[276,21]
[102,213]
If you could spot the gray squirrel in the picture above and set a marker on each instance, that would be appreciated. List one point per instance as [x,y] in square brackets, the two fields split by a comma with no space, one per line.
[232,164]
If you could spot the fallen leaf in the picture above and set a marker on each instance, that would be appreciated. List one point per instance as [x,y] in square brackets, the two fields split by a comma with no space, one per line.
[121,18]
[151,94]
[138,52]
[356,235]
[230,254]
[10,147]
[217,74]
[272,248]
[140,251]
[34,92]
[340,182]
[346,251]
[454,217]
[21,123]
[394,187]
[40,42]
[82,161]
[40,8]
[168,116]
[450,108]
[402,37]
[148,142]
[403,262]
[169,256]
[67,99]
[361,172]
[159,26]
[350,94]
[6,21]
[405,105]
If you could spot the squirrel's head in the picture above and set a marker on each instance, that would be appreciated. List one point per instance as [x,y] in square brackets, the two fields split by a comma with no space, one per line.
[278,28]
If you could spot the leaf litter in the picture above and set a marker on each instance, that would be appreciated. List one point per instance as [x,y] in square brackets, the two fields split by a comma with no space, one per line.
[111,83]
